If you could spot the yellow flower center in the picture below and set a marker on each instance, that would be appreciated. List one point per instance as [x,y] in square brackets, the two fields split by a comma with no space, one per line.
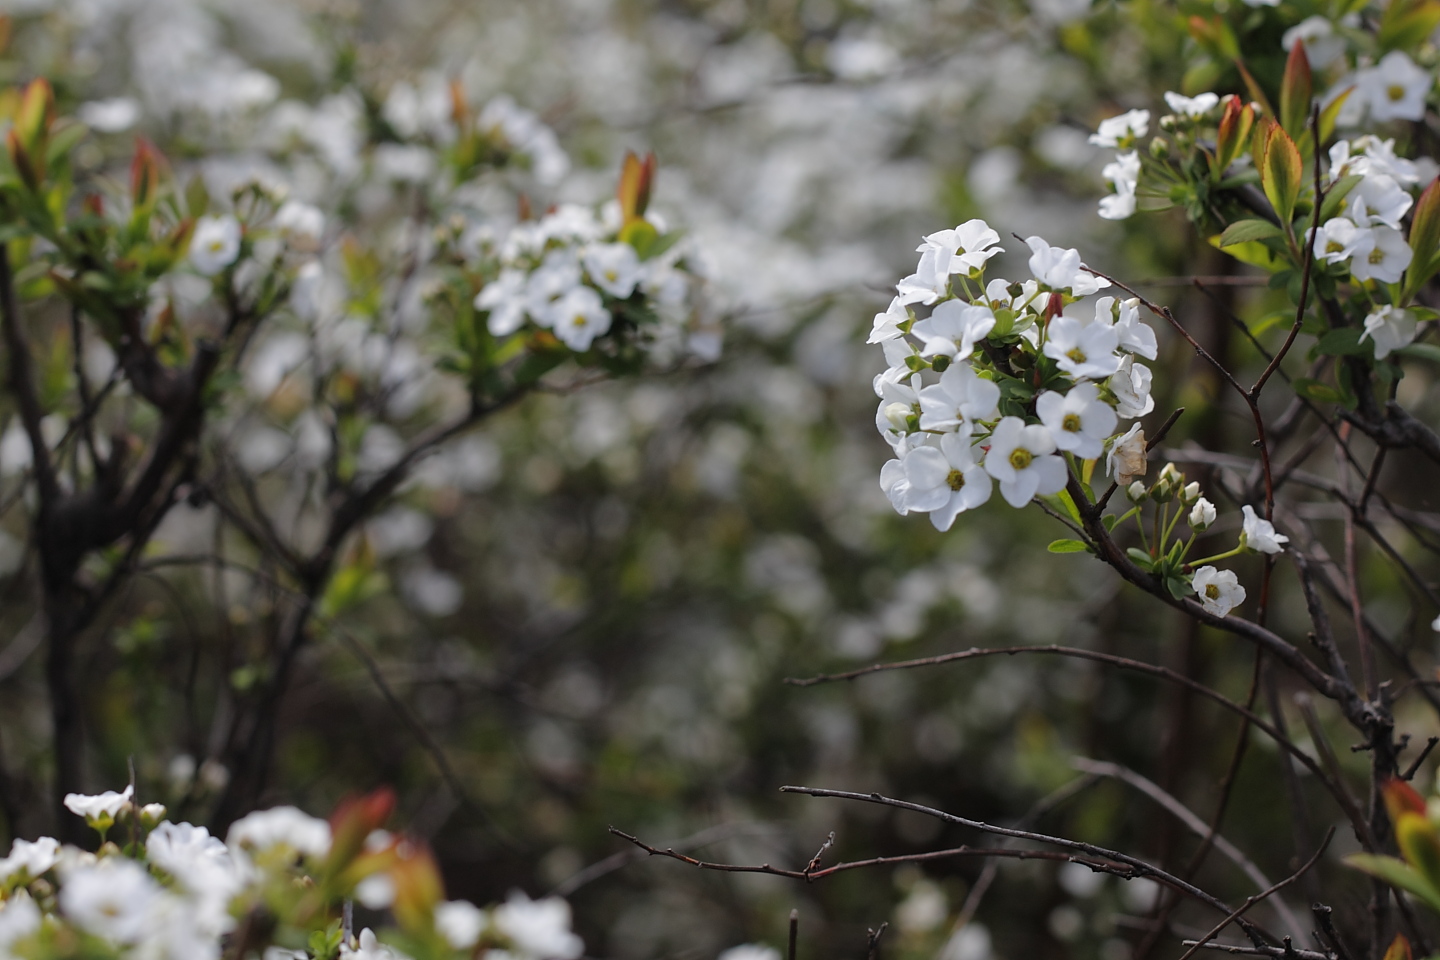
[1212,591]
[612,275]
[579,320]
[1334,247]
[1377,255]
[1076,354]
[1020,458]
[1071,423]
[1395,92]
[956,479]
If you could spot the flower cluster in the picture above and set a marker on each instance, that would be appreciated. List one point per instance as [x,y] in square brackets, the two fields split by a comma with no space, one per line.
[275,887]
[996,384]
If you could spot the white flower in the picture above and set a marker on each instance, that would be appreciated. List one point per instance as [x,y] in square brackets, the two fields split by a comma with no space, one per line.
[1126,459]
[1380,253]
[1122,131]
[215,244]
[1435,624]
[103,808]
[460,923]
[1124,174]
[1135,334]
[945,481]
[1378,198]
[370,948]
[1261,3]
[538,929]
[1336,239]
[887,324]
[1322,46]
[280,826]
[1021,457]
[1379,158]
[1131,386]
[1389,329]
[1061,269]
[1201,515]
[1260,535]
[750,951]
[579,317]
[110,899]
[504,297]
[29,860]
[557,275]
[1078,421]
[613,267]
[19,917]
[1083,349]
[964,249]
[953,328]
[115,115]
[1219,591]
[302,223]
[1196,106]
[931,279]
[1395,88]
[958,400]
[896,485]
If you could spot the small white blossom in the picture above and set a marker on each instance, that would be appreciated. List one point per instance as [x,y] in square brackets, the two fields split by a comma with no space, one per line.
[953,329]
[958,400]
[1259,534]
[30,859]
[1380,253]
[1219,591]
[1395,88]
[1376,199]
[1336,239]
[1078,421]
[557,275]
[369,948]
[1322,46]
[1122,131]
[1389,329]
[613,267]
[1061,268]
[945,481]
[504,298]
[1131,386]
[103,807]
[460,923]
[1126,459]
[1083,350]
[963,249]
[1201,515]
[280,826]
[931,279]
[215,244]
[1124,175]
[1196,106]
[1022,458]
[579,317]
[19,917]
[538,929]
[110,899]
[301,223]
[887,324]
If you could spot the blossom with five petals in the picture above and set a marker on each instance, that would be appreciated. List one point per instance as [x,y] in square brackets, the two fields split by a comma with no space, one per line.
[1219,591]
[1078,421]
[945,481]
[958,400]
[1022,457]
[1259,534]
[1083,350]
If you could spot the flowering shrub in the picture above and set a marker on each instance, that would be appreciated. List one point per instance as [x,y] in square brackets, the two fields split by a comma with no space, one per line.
[280,886]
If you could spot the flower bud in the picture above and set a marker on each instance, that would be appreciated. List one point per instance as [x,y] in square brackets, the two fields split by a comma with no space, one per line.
[898,415]
[940,363]
[1190,492]
[1159,148]
[1137,492]
[151,814]
[1201,515]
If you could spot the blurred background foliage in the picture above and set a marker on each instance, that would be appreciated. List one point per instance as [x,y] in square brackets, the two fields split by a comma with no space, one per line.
[584,614]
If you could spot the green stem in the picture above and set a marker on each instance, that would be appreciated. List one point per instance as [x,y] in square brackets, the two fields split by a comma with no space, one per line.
[1219,556]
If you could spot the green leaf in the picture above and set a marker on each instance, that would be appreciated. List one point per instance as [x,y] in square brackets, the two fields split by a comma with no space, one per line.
[1398,874]
[1245,231]
[1343,342]
[1316,391]
[1422,351]
[1281,171]
[1068,546]
[1179,587]
[1424,239]
[1141,558]
[1296,91]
